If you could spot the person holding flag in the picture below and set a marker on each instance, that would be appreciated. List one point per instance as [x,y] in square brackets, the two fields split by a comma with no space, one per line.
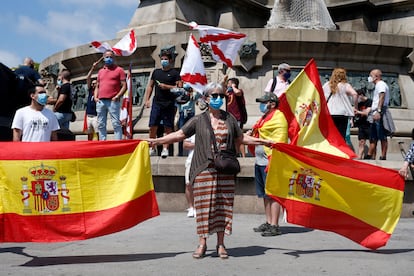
[271,126]
[90,124]
[213,191]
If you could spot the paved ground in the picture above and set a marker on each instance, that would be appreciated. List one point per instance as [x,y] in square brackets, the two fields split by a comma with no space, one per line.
[163,246]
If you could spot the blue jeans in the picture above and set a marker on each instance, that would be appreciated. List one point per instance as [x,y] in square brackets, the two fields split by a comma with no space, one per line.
[103,106]
[260,180]
[63,119]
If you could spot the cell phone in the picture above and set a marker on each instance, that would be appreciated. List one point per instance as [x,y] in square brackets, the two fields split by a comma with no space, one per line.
[158,82]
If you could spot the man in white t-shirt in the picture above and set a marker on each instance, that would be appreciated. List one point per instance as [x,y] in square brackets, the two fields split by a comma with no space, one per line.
[380,101]
[280,83]
[35,123]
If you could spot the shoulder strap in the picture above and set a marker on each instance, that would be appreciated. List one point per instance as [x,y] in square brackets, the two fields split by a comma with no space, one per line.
[330,95]
[273,84]
[213,137]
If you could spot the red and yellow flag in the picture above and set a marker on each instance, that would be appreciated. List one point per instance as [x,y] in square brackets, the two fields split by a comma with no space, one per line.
[305,109]
[357,200]
[65,191]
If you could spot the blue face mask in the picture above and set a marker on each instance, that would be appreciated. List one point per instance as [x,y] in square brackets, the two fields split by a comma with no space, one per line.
[286,75]
[59,82]
[230,89]
[108,60]
[263,107]
[42,98]
[164,63]
[216,103]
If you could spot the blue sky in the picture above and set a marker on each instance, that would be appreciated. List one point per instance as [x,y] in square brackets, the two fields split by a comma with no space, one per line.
[40,28]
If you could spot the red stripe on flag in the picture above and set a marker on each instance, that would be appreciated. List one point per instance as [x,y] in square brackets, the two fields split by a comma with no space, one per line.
[318,217]
[195,78]
[71,227]
[66,149]
[221,55]
[220,36]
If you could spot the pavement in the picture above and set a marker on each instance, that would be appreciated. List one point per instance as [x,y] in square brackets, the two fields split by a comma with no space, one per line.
[163,246]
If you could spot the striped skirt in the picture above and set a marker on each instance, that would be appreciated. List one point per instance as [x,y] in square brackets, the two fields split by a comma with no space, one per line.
[213,201]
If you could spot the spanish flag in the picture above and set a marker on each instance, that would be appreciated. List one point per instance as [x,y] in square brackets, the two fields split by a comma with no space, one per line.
[65,191]
[305,109]
[357,200]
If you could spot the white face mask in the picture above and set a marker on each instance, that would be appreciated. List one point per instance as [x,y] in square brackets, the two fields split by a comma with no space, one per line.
[370,79]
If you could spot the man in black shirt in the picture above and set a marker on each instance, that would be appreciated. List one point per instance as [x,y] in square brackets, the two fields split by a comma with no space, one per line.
[163,104]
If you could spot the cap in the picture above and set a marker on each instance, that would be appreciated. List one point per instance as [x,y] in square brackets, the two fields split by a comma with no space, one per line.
[267,97]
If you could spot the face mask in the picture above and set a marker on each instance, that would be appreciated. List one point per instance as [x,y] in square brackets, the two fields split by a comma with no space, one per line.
[42,98]
[108,61]
[370,79]
[230,89]
[59,82]
[164,63]
[263,107]
[216,103]
[286,75]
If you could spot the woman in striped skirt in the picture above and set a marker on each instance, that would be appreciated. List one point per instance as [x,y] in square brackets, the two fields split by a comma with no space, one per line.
[213,191]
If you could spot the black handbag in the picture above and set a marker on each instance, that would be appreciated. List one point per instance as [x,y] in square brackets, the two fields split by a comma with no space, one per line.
[225,161]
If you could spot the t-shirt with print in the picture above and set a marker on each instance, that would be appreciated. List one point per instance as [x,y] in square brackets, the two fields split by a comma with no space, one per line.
[36,126]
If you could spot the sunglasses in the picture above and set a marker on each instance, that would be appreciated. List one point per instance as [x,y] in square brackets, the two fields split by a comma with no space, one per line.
[214,96]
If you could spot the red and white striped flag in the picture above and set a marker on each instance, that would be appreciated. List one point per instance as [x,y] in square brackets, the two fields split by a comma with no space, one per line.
[126,109]
[224,43]
[193,71]
[125,47]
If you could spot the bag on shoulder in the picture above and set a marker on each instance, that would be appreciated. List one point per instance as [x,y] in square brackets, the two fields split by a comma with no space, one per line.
[225,162]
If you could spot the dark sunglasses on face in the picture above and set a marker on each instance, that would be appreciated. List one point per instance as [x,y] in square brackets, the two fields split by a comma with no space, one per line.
[214,96]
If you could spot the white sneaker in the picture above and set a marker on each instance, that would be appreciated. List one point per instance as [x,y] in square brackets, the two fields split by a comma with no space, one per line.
[191,212]
[152,152]
[164,153]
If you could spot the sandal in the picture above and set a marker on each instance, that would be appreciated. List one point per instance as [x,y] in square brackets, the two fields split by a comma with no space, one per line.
[221,251]
[200,251]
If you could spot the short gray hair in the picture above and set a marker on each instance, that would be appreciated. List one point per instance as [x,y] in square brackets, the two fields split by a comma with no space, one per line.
[283,66]
[212,87]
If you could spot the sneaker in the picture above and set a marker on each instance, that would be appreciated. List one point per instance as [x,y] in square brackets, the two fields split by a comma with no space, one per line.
[273,230]
[191,212]
[164,153]
[152,152]
[263,227]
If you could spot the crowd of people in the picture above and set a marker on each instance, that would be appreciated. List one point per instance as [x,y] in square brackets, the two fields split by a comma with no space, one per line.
[209,193]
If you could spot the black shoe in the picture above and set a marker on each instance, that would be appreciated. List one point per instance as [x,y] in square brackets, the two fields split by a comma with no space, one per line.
[383,158]
[263,227]
[273,230]
[367,157]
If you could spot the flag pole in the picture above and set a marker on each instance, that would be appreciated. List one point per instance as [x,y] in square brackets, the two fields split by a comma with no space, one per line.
[130,102]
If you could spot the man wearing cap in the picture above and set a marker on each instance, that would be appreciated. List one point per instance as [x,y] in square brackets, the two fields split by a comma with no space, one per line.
[271,126]
[279,83]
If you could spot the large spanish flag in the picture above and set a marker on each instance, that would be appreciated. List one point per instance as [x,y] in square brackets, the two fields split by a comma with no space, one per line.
[357,200]
[65,191]
[305,109]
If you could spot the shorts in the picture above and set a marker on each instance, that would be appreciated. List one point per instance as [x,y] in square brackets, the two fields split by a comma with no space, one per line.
[260,180]
[92,123]
[377,131]
[364,132]
[158,114]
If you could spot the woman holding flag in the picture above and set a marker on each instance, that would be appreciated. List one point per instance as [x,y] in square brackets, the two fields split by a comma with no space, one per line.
[213,191]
